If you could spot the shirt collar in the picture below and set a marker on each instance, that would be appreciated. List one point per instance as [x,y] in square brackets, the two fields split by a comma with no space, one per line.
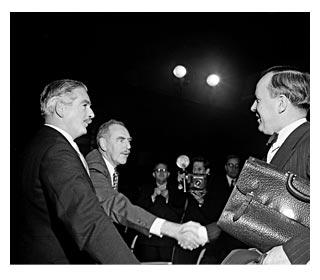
[229,179]
[162,185]
[286,131]
[109,166]
[65,134]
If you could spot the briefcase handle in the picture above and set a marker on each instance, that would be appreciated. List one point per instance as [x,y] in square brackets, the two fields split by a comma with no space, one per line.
[294,191]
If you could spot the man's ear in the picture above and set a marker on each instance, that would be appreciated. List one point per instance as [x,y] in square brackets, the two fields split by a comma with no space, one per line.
[154,174]
[283,103]
[208,171]
[102,143]
[168,174]
[59,109]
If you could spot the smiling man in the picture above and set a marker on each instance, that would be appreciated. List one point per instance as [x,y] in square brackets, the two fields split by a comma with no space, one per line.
[282,102]
[114,145]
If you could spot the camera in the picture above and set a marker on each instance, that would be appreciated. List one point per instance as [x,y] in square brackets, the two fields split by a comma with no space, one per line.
[189,181]
[197,181]
[194,182]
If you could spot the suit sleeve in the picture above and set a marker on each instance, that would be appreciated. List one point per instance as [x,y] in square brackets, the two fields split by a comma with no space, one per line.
[213,231]
[118,206]
[70,194]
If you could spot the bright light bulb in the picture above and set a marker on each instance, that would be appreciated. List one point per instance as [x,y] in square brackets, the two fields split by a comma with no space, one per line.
[179,71]
[213,80]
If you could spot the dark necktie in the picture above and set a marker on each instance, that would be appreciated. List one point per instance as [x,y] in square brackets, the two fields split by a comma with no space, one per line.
[115,179]
[233,183]
[273,138]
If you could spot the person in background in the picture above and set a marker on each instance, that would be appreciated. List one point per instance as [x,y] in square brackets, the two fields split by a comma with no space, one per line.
[163,199]
[199,206]
[114,146]
[223,184]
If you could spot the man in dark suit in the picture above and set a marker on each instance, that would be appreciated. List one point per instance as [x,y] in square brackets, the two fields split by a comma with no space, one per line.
[222,186]
[162,198]
[62,220]
[200,205]
[114,147]
[282,103]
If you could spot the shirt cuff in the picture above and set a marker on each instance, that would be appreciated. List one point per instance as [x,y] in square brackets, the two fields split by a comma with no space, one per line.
[202,231]
[156,227]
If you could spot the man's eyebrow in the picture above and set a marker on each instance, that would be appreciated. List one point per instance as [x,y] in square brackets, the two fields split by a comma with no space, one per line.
[85,101]
[123,137]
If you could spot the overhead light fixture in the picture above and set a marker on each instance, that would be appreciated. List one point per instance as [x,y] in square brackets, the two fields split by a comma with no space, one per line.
[179,71]
[213,80]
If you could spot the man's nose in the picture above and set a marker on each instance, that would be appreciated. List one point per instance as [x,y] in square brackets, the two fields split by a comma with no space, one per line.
[91,113]
[128,145]
[254,107]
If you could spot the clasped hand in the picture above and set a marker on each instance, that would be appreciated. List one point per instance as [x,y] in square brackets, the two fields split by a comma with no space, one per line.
[189,237]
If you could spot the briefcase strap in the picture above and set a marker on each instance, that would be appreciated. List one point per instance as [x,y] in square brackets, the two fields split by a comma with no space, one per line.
[243,207]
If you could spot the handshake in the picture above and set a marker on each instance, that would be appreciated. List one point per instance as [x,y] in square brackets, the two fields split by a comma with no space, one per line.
[189,235]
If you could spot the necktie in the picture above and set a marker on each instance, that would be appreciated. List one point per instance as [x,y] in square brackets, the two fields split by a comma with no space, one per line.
[115,179]
[233,183]
[272,148]
[273,138]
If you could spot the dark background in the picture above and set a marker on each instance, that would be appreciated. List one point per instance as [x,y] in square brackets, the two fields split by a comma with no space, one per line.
[126,60]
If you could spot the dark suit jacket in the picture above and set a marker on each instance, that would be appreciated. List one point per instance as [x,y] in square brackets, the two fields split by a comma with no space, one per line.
[115,204]
[294,156]
[170,211]
[63,220]
[294,153]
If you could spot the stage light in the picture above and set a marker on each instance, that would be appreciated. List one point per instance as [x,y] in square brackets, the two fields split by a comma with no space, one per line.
[213,80]
[179,71]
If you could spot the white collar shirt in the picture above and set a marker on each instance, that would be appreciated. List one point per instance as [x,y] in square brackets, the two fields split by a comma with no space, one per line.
[110,168]
[230,180]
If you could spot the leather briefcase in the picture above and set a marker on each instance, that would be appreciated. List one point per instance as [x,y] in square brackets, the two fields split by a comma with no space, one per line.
[267,207]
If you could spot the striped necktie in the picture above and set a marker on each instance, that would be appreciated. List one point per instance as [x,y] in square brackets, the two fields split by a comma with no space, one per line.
[115,179]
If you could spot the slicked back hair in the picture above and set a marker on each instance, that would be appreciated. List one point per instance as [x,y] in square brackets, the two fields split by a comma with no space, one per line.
[228,157]
[206,162]
[290,82]
[58,90]
[104,128]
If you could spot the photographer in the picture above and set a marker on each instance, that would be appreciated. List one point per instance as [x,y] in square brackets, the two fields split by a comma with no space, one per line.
[198,206]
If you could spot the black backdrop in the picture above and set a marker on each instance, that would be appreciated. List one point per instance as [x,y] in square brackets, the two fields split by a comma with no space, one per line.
[126,60]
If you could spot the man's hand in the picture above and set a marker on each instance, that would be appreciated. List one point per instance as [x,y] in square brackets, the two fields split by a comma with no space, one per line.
[192,229]
[186,234]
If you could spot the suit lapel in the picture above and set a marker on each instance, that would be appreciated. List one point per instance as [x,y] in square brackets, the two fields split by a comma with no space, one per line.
[288,147]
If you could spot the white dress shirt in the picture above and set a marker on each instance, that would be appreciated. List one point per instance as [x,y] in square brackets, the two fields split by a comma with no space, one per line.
[157,223]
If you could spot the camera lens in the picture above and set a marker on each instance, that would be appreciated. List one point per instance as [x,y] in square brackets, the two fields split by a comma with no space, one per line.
[197,183]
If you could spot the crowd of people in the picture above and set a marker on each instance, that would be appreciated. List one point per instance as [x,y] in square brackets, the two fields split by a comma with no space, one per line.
[71,207]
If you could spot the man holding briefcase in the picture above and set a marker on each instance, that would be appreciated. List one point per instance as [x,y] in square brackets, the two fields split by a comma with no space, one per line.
[281,105]
[282,102]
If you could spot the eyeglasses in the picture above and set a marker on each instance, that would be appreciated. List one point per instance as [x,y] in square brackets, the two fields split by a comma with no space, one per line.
[160,170]
[231,165]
